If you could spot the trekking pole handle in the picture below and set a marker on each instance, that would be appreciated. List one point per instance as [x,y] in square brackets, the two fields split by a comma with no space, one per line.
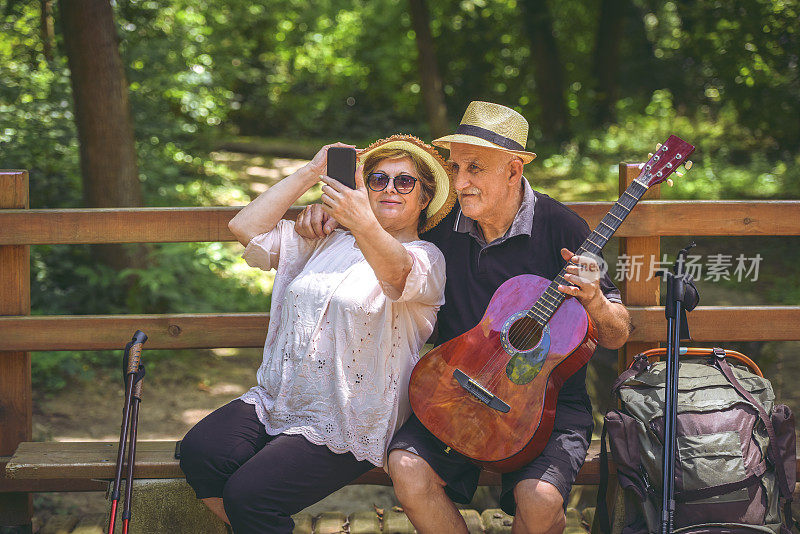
[680,262]
[137,388]
[136,351]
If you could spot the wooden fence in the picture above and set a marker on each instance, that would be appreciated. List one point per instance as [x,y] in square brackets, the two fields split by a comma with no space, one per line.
[21,333]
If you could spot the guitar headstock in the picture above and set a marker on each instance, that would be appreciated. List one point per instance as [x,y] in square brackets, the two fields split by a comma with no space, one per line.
[666,160]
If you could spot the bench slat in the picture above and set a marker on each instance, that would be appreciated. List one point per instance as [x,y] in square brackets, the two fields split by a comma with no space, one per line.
[83,466]
[12,485]
[154,459]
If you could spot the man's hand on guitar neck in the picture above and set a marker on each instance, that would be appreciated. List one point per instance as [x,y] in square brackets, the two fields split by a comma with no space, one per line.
[584,273]
[611,319]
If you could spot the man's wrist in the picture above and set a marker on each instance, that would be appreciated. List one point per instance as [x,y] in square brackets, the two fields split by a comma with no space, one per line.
[596,306]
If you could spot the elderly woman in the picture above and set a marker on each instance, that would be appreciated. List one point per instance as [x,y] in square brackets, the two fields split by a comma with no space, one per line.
[349,314]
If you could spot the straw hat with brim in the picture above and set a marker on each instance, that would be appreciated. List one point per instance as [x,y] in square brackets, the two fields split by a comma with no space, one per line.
[445,196]
[492,126]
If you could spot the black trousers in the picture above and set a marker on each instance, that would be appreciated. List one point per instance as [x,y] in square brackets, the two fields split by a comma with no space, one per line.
[261,479]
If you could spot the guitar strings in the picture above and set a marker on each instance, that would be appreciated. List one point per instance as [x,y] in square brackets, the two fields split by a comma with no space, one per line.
[585,247]
[493,366]
[497,361]
[495,378]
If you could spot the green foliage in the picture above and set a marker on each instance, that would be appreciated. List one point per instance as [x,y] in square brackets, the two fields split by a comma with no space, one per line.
[37,130]
[179,278]
[727,162]
[336,70]
[737,55]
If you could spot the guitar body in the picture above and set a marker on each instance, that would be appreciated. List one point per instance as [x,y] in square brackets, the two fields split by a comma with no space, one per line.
[512,358]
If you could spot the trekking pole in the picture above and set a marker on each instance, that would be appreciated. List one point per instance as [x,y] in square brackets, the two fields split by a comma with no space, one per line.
[132,357]
[682,296]
[670,413]
[136,399]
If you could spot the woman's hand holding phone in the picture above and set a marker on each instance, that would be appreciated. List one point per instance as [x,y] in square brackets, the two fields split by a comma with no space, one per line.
[265,211]
[315,221]
[349,207]
[320,164]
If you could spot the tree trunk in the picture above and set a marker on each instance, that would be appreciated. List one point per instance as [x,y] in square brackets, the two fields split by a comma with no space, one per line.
[102,113]
[432,87]
[549,72]
[605,62]
[46,28]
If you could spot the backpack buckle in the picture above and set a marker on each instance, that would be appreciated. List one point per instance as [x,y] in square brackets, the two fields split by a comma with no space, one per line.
[717,354]
[640,363]
[648,487]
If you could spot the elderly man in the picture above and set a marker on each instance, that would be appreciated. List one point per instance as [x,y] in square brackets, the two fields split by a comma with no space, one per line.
[500,228]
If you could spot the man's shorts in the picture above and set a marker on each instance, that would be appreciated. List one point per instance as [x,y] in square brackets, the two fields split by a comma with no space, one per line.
[558,464]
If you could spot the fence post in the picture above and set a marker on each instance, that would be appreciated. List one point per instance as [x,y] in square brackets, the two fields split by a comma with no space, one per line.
[637,290]
[16,509]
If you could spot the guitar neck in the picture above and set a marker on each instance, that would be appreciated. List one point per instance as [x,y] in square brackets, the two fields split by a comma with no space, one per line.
[551,299]
[613,219]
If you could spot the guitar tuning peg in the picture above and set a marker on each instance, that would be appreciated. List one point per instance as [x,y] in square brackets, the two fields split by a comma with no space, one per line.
[649,154]
[679,173]
[641,165]
[669,182]
[688,164]
[658,145]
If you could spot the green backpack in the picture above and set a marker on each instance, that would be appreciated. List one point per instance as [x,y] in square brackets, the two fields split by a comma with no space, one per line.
[735,466]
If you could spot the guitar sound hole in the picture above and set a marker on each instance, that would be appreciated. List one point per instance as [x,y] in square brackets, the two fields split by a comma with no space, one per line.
[524,334]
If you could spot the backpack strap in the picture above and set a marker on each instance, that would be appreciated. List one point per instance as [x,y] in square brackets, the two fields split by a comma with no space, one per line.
[783,484]
[602,490]
[640,364]
[620,438]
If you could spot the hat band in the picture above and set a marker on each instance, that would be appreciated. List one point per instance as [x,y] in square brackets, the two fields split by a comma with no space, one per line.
[488,135]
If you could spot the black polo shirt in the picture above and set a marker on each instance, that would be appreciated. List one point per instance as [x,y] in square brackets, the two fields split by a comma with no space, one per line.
[532,245]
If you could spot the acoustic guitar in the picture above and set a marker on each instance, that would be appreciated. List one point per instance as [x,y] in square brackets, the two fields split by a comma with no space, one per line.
[491,392]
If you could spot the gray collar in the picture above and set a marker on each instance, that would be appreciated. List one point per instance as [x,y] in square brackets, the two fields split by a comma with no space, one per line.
[522,224]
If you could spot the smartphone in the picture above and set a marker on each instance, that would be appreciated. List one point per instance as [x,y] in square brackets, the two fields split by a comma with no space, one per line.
[342,165]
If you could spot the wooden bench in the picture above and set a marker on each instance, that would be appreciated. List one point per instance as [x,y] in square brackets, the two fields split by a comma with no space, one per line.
[89,466]
[58,464]
[95,461]
[44,467]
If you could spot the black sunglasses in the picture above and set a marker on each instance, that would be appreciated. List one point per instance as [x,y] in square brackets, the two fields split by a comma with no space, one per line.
[403,183]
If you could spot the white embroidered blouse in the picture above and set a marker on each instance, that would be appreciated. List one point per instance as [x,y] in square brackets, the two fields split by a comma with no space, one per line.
[341,344]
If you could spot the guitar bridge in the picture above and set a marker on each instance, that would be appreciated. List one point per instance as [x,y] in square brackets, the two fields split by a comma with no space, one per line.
[479,392]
